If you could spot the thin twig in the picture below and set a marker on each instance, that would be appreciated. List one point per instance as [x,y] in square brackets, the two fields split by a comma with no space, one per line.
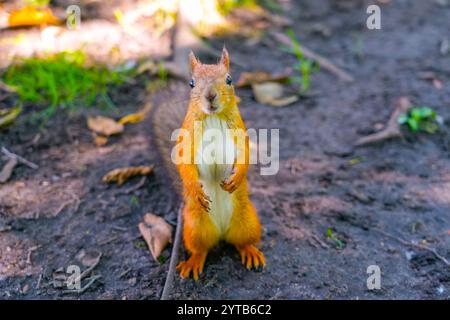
[124,273]
[415,245]
[120,229]
[308,53]
[62,207]
[320,242]
[19,158]
[7,87]
[133,188]
[30,252]
[88,270]
[174,258]
[38,285]
[392,128]
[106,241]
[80,291]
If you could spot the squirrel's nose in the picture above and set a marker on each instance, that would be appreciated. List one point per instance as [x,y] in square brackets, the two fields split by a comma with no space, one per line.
[211,97]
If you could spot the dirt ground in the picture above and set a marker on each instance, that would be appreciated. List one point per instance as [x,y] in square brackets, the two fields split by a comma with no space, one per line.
[55,216]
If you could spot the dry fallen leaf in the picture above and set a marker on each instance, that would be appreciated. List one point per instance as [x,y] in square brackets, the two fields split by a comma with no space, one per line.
[100,141]
[136,117]
[7,170]
[248,78]
[132,118]
[438,84]
[105,126]
[156,232]
[32,16]
[281,102]
[121,175]
[271,93]
[266,92]
[431,76]
[8,117]
[88,258]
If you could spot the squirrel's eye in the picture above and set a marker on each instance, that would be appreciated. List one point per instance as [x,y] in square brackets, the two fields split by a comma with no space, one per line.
[229,80]
[192,83]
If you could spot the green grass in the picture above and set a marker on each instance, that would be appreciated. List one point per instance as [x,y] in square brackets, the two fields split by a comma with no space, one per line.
[303,67]
[420,119]
[61,81]
[134,201]
[226,6]
[160,81]
[37,3]
[339,243]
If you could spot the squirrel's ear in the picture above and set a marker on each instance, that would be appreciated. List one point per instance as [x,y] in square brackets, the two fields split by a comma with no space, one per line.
[225,59]
[193,60]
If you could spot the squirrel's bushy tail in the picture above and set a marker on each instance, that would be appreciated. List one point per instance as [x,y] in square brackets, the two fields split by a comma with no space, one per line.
[165,117]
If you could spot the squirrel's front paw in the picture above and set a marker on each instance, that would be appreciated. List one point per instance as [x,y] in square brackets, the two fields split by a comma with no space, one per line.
[232,183]
[202,198]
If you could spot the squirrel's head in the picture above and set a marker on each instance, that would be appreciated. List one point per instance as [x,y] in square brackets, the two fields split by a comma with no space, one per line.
[212,88]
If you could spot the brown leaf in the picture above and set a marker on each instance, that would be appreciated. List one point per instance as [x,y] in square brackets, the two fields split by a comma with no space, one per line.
[156,232]
[281,102]
[136,117]
[100,141]
[105,126]
[121,175]
[271,93]
[132,118]
[438,84]
[7,170]
[32,16]
[88,258]
[248,78]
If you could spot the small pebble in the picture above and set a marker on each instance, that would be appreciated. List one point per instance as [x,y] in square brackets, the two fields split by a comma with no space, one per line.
[25,289]
[440,289]
[410,255]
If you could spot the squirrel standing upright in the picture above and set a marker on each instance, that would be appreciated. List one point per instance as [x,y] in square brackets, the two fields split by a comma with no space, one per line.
[216,202]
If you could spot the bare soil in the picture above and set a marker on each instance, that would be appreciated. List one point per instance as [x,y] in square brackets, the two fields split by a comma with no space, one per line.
[401,187]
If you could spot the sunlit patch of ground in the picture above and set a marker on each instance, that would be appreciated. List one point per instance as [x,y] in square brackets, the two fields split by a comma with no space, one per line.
[129,33]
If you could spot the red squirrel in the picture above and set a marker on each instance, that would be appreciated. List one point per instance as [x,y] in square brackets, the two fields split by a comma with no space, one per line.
[216,200]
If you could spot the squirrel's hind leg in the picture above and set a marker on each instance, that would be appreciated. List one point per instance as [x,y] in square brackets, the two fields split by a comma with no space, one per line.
[251,257]
[200,235]
[195,263]
[245,233]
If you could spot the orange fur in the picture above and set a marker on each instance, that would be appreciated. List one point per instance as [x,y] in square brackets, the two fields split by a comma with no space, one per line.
[200,233]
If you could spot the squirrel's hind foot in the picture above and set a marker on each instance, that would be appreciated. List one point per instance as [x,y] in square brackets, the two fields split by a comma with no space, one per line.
[195,264]
[251,257]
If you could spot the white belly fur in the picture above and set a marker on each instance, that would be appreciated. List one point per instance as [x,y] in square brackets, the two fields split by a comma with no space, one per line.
[214,172]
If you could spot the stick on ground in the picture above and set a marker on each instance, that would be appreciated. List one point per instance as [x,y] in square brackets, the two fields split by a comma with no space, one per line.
[415,245]
[9,154]
[308,53]
[392,129]
[174,258]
